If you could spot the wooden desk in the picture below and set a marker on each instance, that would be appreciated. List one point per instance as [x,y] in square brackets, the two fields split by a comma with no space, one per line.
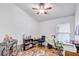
[27,43]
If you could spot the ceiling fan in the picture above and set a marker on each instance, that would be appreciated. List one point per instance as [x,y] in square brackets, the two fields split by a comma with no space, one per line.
[42,8]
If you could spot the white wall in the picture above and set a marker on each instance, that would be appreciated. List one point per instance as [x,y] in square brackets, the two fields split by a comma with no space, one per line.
[13,20]
[49,27]
[77,20]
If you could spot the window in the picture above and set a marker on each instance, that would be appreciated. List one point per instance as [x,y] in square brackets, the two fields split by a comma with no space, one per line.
[63,32]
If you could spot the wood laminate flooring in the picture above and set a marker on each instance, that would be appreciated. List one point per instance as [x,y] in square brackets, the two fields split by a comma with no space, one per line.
[38,51]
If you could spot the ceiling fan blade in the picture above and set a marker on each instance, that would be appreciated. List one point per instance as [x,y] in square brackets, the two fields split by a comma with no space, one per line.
[37,13]
[45,12]
[34,8]
[48,8]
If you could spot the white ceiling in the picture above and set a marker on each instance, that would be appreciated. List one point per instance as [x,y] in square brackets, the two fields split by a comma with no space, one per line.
[59,10]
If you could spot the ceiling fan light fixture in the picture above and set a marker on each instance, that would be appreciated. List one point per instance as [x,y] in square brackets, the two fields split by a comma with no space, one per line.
[41,11]
[42,8]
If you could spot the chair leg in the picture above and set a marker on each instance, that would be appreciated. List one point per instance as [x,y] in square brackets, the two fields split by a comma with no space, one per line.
[41,44]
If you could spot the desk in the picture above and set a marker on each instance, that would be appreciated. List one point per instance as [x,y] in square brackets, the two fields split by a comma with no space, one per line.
[27,43]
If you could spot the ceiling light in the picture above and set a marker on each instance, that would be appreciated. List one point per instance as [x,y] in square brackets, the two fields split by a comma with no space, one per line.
[42,8]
